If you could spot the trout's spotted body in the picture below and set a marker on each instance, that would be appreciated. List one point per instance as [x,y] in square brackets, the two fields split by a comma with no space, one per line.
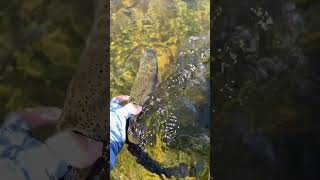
[143,86]
[86,105]
[146,78]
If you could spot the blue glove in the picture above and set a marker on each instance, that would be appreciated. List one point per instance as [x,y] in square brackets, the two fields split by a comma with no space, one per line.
[118,120]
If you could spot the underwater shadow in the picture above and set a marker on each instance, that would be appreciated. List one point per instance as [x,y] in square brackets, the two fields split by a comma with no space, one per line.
[153,166]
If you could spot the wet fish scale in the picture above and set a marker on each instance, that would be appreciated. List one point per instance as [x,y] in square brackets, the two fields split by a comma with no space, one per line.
[143,86]
[146,78]
[85,108]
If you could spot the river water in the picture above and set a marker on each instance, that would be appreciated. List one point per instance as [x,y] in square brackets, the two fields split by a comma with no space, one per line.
[173,130]
[267,82]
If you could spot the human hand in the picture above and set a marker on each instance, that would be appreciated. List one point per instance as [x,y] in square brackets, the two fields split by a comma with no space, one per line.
[48,114]
[122,98]
[119,115]
[41,115]
[133,108]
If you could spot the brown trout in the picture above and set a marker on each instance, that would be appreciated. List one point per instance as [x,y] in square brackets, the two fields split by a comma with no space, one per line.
[85,108]
[86,105]
[144,84]
[146,78]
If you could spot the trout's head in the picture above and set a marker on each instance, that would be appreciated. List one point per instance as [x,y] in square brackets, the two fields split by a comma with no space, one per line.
[150,52]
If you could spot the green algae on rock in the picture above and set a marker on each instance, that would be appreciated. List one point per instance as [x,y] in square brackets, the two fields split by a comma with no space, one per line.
[178,32]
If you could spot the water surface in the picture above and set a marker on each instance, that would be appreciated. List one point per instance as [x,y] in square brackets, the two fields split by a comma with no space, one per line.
[174,128]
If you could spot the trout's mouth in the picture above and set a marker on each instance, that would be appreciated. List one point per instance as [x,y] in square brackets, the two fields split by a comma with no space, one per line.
[150,52]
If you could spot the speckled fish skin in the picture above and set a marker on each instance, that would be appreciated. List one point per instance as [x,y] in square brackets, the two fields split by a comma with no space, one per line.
[146,78]
[145,82]
[85,109]
[86,105]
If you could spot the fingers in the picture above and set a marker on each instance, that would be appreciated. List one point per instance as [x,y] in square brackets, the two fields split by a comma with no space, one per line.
[40,115]
[51,113]
[133,108]
[122,98]
[46,113]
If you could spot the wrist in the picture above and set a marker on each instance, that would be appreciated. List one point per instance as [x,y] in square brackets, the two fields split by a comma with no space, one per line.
[123,111]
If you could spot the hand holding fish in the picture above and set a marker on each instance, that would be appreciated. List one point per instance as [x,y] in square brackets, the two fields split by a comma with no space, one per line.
[131,107]
[118,119]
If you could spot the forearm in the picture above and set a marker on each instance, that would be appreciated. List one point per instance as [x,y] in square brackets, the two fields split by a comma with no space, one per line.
[118,120]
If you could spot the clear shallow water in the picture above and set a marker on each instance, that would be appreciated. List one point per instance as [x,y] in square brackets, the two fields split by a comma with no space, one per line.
[266,89]
[173,130]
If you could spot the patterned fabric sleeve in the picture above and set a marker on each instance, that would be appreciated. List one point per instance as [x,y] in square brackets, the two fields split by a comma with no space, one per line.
[18,149]
[118,120]
[14,122]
